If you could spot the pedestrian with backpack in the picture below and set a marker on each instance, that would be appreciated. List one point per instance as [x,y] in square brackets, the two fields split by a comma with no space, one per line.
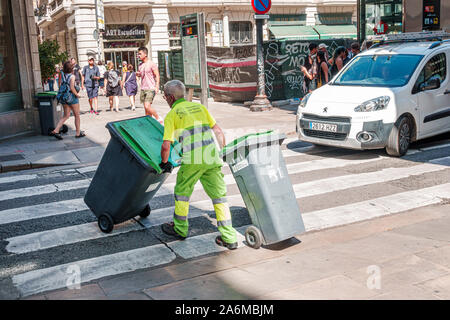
[68,96]
[113,87]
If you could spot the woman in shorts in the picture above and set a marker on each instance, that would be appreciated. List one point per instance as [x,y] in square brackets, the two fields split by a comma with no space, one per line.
[69,104]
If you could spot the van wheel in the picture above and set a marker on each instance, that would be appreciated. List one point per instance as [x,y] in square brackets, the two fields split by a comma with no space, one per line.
[399,138]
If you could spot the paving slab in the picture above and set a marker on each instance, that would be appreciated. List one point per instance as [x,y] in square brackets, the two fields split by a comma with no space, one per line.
[53,158]
[439,256]
[129,283]
[386,246]
[436,229]
[86,292]
[400,273]
[407,293]
[130,296]
[302,267]
[332,288]
[88,155]
[49,150]
[228,285]
[440,286]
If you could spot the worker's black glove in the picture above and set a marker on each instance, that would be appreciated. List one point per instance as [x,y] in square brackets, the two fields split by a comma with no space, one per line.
[166,167]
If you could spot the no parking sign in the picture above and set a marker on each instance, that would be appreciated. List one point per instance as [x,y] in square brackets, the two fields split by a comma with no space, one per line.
[261,6]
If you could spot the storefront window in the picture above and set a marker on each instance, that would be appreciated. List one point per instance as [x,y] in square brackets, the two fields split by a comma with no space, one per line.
[383,16]
[9,80]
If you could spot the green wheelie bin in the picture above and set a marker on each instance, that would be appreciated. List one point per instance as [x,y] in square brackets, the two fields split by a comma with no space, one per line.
[258,167]
[128,175]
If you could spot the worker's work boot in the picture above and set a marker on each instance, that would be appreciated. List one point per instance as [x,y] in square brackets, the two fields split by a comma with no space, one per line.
[220,242]
[168,228]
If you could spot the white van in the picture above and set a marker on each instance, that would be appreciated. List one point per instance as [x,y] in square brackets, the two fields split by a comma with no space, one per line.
[385,97]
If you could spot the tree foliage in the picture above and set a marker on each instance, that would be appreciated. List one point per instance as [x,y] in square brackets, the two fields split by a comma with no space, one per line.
[49,56]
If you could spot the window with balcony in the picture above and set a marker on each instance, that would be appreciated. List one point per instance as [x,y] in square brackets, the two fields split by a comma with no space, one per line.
[241,32]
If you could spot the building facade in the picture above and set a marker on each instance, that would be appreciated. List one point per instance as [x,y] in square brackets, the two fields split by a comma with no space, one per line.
[156,24]
[20,76]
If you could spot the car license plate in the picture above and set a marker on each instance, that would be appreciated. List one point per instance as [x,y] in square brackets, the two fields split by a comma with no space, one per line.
[323,126]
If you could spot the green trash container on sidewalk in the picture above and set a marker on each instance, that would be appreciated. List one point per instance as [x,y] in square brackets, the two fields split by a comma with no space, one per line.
[128,175]
[258,167]
[50,112]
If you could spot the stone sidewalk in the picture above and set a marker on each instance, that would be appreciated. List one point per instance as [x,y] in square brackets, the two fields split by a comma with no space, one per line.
[402,256]
[38,151]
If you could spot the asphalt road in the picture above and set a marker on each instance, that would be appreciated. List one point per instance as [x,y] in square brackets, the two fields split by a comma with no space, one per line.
[47,232]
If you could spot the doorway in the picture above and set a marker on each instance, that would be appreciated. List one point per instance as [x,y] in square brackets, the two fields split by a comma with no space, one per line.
[117,57]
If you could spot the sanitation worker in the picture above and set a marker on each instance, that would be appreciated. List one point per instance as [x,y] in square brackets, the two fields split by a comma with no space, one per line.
[193,127]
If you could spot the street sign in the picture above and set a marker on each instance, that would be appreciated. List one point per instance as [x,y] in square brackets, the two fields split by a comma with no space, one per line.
[261,6]
[193,43]
[100,15]
[261,16]
[431,14]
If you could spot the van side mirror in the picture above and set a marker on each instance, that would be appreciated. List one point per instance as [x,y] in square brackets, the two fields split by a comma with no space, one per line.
[430,84]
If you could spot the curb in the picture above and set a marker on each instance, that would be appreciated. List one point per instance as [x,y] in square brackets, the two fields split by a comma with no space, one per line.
[28,166]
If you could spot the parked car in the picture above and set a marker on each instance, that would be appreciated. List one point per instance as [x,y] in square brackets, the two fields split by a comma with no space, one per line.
[385,97]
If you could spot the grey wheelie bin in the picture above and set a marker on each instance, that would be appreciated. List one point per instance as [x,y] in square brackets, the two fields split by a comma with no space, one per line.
[260,172]
[128,175]
[50,112]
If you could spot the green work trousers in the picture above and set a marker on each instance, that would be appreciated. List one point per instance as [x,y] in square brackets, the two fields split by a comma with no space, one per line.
[211,177]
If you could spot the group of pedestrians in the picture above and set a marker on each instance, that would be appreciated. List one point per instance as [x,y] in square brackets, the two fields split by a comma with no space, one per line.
[97,79]
[319,67]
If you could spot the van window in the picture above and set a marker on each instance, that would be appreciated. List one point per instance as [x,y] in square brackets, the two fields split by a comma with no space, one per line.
[379,70]
[436,68]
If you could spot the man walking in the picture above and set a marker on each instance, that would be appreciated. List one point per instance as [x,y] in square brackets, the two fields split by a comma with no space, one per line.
[149,75]
[76,71]
[193,126]
[89,80]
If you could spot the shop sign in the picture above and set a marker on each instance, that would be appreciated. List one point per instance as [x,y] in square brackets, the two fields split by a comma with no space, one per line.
[125,32]
[431,14]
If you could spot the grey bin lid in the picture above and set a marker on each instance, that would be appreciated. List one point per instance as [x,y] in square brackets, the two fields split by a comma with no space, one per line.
[254,140]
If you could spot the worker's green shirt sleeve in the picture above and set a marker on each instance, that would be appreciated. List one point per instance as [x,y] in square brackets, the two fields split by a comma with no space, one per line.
[169,127]
[209,117]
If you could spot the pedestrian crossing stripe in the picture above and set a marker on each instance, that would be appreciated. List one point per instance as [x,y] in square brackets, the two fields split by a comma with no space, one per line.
[43,189]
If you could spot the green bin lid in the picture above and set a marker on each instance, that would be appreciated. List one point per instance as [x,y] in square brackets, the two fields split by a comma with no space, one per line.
[144,136]
[47,94]
[252,139]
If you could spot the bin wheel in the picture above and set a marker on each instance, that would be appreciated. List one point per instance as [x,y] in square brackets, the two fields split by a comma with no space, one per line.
[64,129]
[146,212]
[253,237]
[50,130]
[105,223]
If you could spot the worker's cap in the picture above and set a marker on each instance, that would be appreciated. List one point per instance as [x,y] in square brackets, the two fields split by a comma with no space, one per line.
[322,45]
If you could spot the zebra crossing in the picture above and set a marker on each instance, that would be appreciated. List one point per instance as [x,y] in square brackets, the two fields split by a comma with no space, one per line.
[47,232]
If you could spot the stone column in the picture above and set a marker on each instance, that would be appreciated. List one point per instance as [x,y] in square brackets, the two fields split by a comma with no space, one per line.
[85,27]
[158,35]
[226,29]
[311,15]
